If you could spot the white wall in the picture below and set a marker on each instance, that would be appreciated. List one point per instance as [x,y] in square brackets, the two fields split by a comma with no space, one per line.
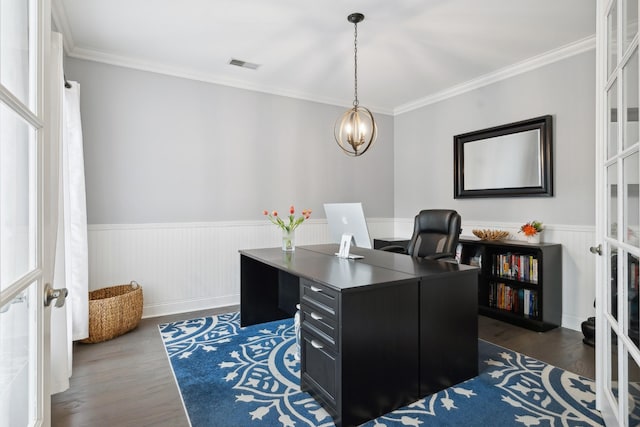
[423,142]
[161,149]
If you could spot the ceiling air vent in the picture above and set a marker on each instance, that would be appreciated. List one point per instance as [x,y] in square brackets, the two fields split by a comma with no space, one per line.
[244,64]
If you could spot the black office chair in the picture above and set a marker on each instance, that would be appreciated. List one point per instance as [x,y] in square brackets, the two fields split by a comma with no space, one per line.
[435,235]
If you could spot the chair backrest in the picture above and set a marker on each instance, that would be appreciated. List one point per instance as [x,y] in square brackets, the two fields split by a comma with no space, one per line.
[435,231]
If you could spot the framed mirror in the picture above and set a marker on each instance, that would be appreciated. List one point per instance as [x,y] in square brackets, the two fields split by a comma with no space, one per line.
[505,161]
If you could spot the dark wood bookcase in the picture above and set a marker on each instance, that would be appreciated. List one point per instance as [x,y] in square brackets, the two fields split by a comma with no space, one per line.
[520,282]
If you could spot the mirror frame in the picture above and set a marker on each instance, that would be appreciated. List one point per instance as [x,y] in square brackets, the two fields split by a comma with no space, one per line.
[545,189]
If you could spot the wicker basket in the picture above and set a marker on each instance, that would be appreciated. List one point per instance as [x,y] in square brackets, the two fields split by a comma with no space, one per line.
[114,311]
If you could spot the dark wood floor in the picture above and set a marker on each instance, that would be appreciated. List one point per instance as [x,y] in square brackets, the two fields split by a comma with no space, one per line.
[559,347]
[128,382]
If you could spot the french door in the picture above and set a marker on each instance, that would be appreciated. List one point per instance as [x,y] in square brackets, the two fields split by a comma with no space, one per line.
[618,212]
[25,263]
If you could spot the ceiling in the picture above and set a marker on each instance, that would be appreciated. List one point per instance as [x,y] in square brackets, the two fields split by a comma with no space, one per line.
[410,52]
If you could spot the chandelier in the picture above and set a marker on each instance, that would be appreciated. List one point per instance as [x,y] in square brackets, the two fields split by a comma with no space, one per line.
[355,131]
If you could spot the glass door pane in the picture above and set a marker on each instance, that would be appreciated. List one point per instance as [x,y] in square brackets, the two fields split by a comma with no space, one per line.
[633,401]
[612,120]
[612,306]
[630,100]
[633,407]
[613,367]
[16,70]
[631,199]
[612,38]
[17,204]
[612,200]
[631,25]
[633,305]
[17,347]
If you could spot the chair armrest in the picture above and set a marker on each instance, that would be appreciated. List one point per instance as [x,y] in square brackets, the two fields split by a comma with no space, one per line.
[394,248]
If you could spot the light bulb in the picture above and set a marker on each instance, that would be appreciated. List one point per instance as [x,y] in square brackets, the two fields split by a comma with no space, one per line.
[363,130]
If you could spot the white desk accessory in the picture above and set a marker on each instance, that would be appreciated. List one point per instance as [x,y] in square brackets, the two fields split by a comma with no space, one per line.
[345,245]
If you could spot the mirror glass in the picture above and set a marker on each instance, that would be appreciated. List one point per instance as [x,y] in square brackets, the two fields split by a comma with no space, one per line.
[485,161]
[505,161]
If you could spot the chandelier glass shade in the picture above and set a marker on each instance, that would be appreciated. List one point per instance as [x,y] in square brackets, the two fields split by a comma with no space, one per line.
[355,131]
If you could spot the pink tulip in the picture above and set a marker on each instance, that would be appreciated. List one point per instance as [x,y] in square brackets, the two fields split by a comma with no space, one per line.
[292,210]
[265,212]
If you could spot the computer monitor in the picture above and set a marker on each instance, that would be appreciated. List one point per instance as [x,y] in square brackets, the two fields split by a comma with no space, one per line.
[347,218]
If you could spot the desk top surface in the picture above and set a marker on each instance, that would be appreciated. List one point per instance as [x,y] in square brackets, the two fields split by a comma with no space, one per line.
[318,263]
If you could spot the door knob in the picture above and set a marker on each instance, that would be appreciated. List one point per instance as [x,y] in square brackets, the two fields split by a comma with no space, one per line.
[50,294]
[596,249]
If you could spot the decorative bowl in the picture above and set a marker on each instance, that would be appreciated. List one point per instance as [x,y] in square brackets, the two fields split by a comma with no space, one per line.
[491,234]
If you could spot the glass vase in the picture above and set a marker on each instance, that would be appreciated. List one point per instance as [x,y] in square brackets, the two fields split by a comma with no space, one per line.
[288,240]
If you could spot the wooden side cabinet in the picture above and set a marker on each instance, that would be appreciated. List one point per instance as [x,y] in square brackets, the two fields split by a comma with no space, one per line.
[519,282]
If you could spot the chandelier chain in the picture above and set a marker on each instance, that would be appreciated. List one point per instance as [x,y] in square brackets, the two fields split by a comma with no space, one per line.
[355,68]
[355,131]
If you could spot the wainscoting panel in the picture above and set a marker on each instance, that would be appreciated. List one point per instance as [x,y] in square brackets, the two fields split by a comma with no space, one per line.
[187,267]
[578,264]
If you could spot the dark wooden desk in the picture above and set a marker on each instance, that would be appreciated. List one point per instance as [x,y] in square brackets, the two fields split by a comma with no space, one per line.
[377,333]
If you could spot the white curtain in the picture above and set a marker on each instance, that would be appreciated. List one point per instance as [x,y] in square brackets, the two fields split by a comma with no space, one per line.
[71,271]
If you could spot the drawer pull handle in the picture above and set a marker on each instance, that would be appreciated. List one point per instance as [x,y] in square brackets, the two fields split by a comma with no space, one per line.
[315,316]
[316,344]
[315,289]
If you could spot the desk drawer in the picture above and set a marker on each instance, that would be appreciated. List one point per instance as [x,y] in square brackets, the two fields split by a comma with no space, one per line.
[319,367]
[324,326]
[320,297]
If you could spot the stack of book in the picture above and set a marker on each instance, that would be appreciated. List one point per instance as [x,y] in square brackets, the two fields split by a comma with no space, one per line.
[516,266]
[521,301]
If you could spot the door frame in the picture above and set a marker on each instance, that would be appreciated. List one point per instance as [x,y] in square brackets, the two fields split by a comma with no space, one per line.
[613,316]
[37,113]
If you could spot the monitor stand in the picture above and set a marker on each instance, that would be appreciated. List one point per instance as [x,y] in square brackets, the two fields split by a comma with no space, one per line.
[345,245]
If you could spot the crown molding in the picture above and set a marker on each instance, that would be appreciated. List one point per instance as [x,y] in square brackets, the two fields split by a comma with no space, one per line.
[61,22]
[190,74]
[530,64]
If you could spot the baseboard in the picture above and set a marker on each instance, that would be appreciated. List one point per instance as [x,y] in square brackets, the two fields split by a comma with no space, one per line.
[186,306]
[573,322]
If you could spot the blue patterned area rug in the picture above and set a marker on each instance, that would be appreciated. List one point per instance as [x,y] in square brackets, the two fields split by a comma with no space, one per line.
[239,377]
